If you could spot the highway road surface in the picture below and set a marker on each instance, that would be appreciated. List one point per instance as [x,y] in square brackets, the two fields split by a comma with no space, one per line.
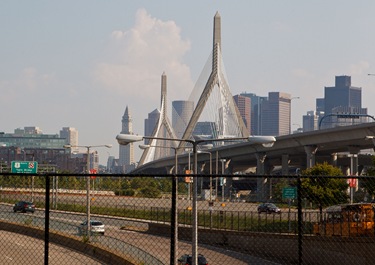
[156,246]
[20,249]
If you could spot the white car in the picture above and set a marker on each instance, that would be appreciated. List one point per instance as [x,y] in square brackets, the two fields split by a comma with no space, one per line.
[96,227]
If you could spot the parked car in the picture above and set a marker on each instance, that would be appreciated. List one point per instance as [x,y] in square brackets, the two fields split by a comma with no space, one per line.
[96,227]
[187,260]
[24,206]
[268,208]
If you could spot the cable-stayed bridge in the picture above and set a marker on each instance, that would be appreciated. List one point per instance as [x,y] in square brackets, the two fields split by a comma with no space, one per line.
[214,106]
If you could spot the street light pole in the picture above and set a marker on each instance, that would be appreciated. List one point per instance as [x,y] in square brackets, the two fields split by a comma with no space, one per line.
[88,199]
[124,139]
[209,153]
[174,209]
[223,180]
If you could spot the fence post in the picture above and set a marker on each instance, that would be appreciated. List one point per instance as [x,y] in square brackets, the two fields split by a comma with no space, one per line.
[46,222]
[300,223]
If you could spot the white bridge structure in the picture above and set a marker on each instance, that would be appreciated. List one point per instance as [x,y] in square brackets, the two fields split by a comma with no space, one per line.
[214,104]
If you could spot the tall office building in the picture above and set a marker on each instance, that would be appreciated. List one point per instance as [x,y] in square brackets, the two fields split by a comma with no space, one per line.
[244,107]
[310,121]
[206,128]
[126,152]
[319,105]
[182,110]
[276,114]
[342,102]
[343,94]
[70,134]
[150,123]
[255,113]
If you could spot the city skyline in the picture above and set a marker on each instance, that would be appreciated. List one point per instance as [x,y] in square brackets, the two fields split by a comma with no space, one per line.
[69,65]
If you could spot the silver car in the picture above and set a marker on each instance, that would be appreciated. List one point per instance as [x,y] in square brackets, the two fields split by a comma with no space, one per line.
[97,227]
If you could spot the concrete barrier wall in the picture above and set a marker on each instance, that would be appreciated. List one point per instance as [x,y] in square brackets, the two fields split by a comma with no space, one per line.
[104,255]
[282,248]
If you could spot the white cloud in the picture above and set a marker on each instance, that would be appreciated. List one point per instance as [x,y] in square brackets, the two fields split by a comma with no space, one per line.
[137,57]
[28,82]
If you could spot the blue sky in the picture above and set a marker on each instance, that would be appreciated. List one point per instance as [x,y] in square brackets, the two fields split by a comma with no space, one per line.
[80,63]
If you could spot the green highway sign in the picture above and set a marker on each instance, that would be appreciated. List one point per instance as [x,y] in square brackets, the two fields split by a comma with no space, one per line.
[24,167]
[290,193]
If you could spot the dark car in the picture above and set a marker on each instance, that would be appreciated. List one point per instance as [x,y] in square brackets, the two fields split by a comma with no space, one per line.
[268,208]
[24,206]
[187,260]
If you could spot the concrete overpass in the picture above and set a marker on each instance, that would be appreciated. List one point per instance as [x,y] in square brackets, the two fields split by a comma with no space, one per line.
[301,150]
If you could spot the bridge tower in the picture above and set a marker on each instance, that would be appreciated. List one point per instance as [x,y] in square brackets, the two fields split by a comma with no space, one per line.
[217,80]
[229,118]
[163,128]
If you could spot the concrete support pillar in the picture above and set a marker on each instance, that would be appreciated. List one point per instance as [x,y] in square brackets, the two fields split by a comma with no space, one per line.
[310,155]
[354,164]
[261,181]
[353,150]
[285,164]
[334,159]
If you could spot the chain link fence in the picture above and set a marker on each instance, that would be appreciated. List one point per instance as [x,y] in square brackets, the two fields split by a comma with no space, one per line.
[242,220]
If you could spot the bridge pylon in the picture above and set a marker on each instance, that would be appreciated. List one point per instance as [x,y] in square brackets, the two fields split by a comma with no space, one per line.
[228,110]
[163,129]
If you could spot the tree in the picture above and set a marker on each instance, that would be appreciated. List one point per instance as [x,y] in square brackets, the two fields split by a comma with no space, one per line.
[369,183]
[322,186]
[149,192]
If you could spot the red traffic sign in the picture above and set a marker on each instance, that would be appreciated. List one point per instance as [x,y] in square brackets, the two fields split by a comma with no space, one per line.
[93,171]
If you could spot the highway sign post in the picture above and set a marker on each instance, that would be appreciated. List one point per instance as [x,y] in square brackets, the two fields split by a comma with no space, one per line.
[24,167]
[290,193]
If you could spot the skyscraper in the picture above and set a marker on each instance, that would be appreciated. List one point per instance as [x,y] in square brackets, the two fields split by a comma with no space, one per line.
[181,114]
[276,114]
[255,113]
[342,101]
[150,123]
[126,152]
[343,94]
[71,136]
[310,121]
[244,107]
[319,105]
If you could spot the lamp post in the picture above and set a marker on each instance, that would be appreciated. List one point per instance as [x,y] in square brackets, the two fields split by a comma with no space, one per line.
[174,208]
[32,177]
[223,180]
[210,202]
[124,139]
[206,152]
[189,168]
[87,181]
